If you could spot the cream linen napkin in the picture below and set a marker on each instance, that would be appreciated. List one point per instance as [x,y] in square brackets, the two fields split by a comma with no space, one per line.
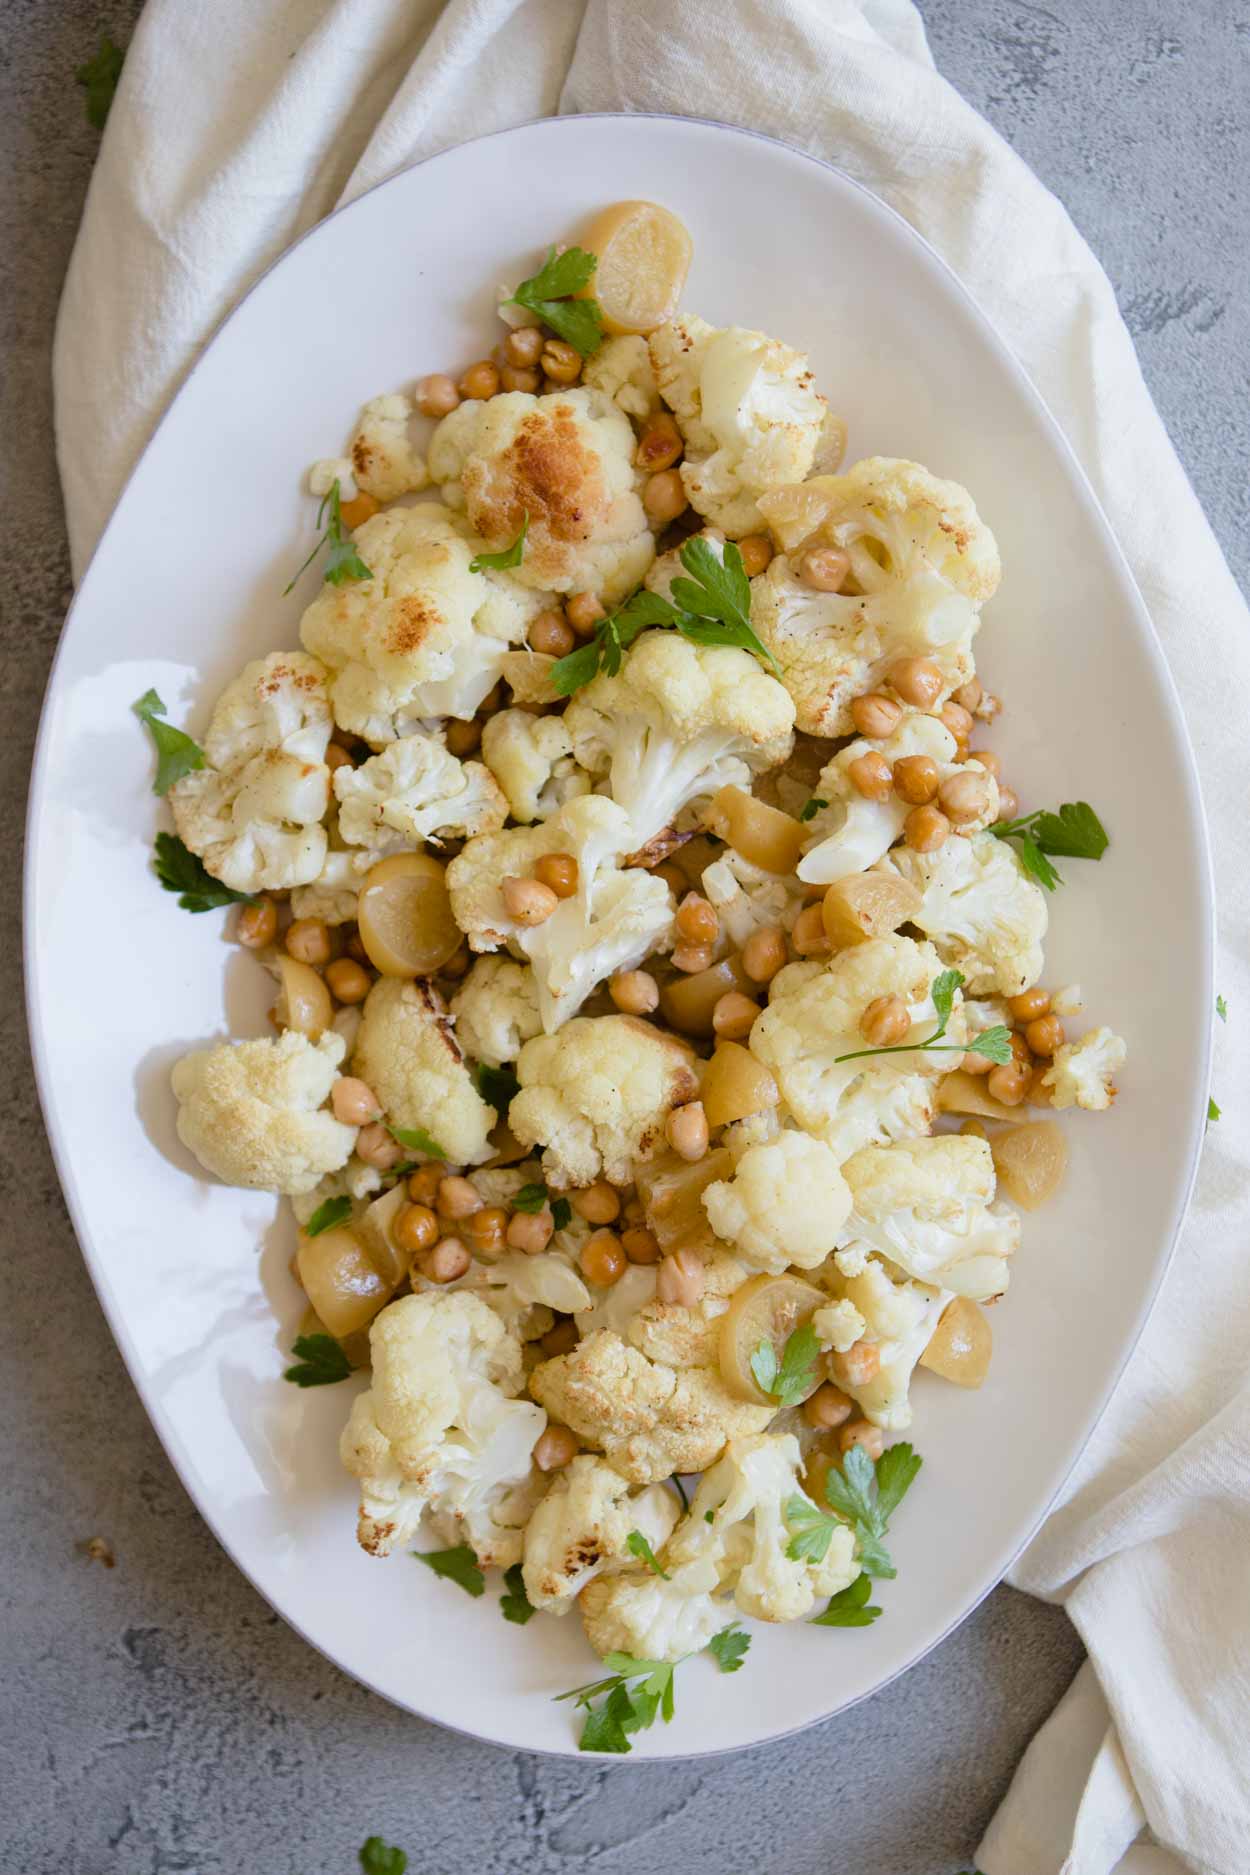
[237,126]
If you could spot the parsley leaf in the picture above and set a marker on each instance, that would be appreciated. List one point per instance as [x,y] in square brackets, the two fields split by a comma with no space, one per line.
[1213,1112]
[613,637]
[327,1216]
[1075,832]
[176,754]
[811,1529]
[637,1545]
[795,1376]
[416,1139]
[515,1604]
[180,871]
[561,1213]
[498,1087]
[860,1498]
[321,1362]
[896,1470]
[457,1565]
[530,1198]
[718,596]
[993,1044]
[547,293]
[728,1648]
[849,1608]
[1221,1009]
[634,1693]
[500,562]
[98,78]
[812,808]
[343,563]
[380,1858]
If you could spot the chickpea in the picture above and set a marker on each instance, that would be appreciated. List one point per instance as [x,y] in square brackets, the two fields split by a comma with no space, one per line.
[681,1278]
[926,829]
[660,444]
[957,720]
[1045,1035]
[990,762]
[463,738]
[337,757]
[975,1064]
[528,900]
[308,940]
[691,958]
[358,510]
[561,1339]
[875,716]
[415,1229]
[856,1365]
[457,1198]
[916,779]
[764,953]
[825,568]
[964,798]
[640,1245]
[696,920]
[1020,1050]
[871,776]
[353,1102]
[969,695]
[485,1229]
[447,1262]
[1009,1082]
[437,395]
[598,1203]
[561,362]
[348,983]
[733,1016]
[862,1432]
[549,634]
[423,1184]
[354,947]
[1008,804]
[664,497]
[1029,1005]
[917,681]
[757,553]
[583,612]
[377,1148]
[257,925]
[555,1447]
[517,378]
[809,936]
[885,1021]
[530,1231]
[602,1259]
[523,346]
[558,872]
[686,1130]
[828,1407]
[634,992]
[481,380]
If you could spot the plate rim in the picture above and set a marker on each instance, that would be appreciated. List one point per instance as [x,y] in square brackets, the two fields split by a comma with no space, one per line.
[1193,801]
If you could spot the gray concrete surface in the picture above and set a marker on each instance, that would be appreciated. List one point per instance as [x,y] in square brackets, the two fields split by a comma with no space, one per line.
[157,1716]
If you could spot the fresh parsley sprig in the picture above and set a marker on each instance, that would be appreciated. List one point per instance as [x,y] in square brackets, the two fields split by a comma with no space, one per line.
[509,556]
[637,1545]
[321,1362]
[328,1216]
[549,295]
[180,871]
[613,637]
[457,1565]
[863,1495]
[729,1648]
[993,1044]
[176,754]
[1075,832]
[514,1604]
[633,1693]
[381,1858]
[343,563]
[416,1139]
[850,1607]
[791,1379]
[98,78]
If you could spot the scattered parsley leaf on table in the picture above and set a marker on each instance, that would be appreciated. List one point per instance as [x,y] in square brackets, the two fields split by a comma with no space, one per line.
[637,1545]
[509,556]
[548,294]
[498,1087]
[1075,832]
[343,563]
[993,1044]
[515,1604]
[321,1362]
[176,754]
[180,871]
[791,1379]
[98,78]
[850,1607]
[327,1216]
[416,1139]
[381,1858]
[728,1648]
[457,1565]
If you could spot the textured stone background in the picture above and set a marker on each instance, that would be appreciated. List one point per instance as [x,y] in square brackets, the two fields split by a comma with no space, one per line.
[158,1717]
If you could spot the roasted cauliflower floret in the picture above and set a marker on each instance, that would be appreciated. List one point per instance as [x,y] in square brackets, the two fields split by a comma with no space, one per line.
[1083,1073]
[922,565]
[424,637]
[980,910]
[649,1420]
[567,462]
[384,462]
[617,916]
[927,1206]
[748,409]
[676,723]
[813,1018]
[637,1613]
[681,1336]
[531,757]
[899,1320]
[408,1054]
[595,1096]
[253,813]
[621,369]
[414,791]
[786,1203]
[748,899]
[440,1430]
[579,1531]
[253,1112]
[495,1010]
